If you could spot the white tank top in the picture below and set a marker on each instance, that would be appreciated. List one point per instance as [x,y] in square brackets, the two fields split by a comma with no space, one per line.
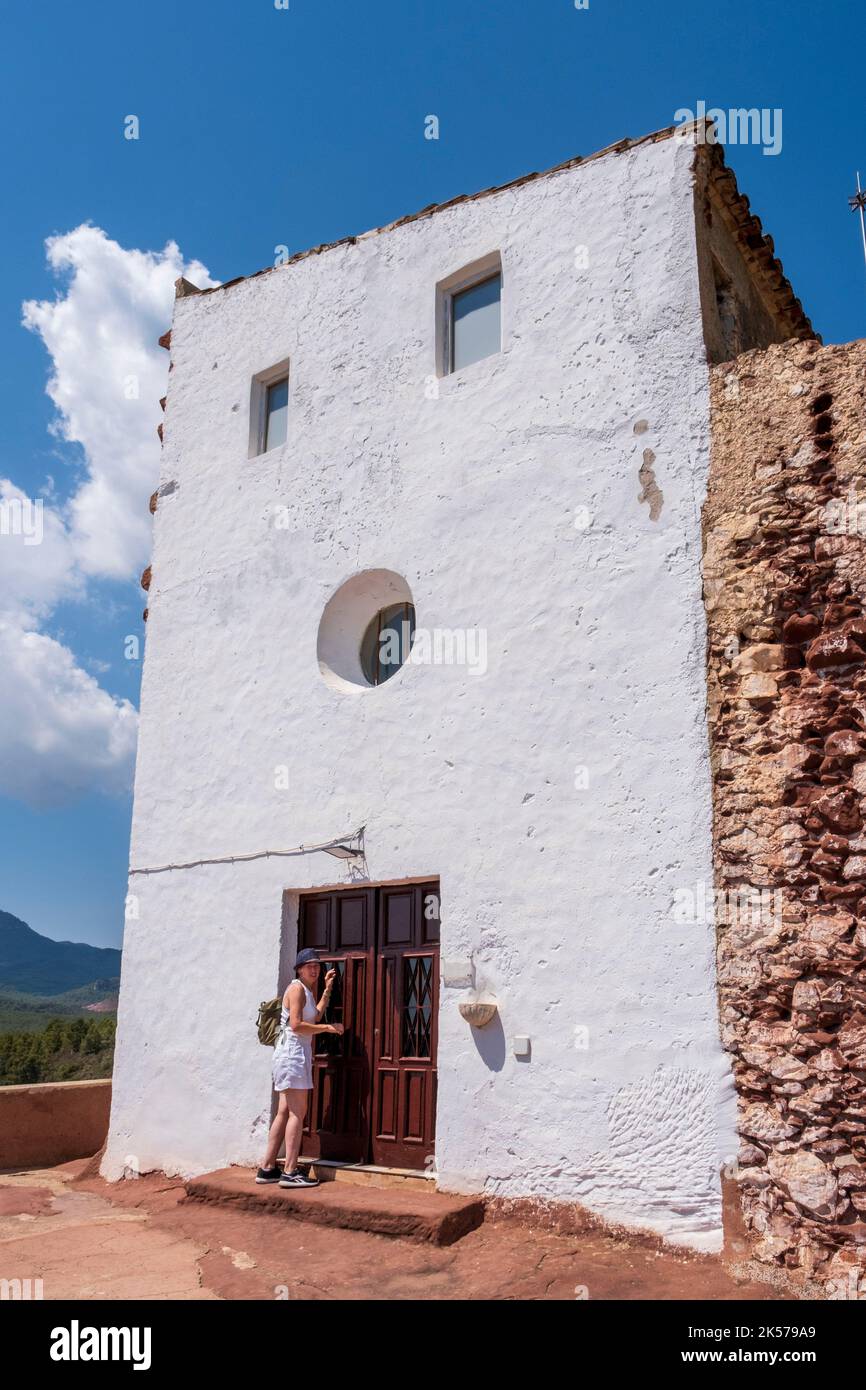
[286,1036]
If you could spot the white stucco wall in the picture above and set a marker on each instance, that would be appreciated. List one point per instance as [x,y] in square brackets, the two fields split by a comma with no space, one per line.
[561,897]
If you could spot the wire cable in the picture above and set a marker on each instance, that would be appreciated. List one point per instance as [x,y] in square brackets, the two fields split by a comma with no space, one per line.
[342,843]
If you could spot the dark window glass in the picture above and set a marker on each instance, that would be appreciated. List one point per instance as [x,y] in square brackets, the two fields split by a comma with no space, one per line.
[387,642]
[331,1044]
[417,1006]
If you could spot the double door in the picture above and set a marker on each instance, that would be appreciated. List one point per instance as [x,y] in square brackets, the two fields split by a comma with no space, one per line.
[374,1088]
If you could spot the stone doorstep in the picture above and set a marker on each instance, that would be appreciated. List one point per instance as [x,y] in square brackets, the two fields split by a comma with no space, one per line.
[369,1175]
[434,1217]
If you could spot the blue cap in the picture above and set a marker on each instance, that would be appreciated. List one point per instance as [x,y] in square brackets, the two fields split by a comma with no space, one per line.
[304,957]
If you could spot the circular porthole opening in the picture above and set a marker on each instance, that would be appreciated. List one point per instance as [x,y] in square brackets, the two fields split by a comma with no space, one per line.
[366,631]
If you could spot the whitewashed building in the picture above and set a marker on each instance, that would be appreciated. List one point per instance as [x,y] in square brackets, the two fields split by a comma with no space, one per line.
[482,434]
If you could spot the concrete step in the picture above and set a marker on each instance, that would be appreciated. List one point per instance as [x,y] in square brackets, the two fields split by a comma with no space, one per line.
[435,1217]
[369,1175]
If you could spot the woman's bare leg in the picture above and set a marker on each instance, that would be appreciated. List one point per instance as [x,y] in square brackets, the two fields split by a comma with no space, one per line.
[277,1130]
[297,1109]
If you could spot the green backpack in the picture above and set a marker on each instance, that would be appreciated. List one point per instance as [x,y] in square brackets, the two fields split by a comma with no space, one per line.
[268,1022]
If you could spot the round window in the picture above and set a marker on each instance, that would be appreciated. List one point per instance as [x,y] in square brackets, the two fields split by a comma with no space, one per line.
[366,631]
[387,642]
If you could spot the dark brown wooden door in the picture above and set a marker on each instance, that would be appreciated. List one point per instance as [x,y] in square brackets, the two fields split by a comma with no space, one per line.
[374,1088]
[342,928]
[406,1025]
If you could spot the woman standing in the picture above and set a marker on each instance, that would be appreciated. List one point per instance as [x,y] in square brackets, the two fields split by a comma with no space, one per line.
[292,1068]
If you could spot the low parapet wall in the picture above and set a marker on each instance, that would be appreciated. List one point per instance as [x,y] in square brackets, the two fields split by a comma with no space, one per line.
[48,1124]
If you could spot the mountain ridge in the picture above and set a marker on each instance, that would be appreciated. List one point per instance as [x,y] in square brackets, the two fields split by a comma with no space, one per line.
[36,964]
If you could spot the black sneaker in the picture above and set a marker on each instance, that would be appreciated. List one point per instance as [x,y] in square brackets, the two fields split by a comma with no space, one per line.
[298,1179]
[269,1174]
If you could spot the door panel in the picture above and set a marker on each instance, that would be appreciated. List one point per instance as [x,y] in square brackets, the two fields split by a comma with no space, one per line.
[397,907]
[317,923]
[404,1052]
[351,927]
[374,1088]
[342,929]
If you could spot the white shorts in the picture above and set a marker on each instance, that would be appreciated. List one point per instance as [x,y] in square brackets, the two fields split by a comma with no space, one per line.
[292,1067]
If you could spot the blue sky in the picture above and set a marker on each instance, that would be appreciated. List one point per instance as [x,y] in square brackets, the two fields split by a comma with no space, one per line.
[261,127]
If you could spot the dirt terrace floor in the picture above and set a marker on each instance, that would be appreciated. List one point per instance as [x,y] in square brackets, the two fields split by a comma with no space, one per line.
[88,1239]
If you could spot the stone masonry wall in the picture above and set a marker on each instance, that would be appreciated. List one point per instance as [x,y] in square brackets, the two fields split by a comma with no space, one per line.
[785,589]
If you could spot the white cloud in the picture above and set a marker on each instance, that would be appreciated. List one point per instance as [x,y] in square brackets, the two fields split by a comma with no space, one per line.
[63,735]
[33,578]
[107,380]
[68,735]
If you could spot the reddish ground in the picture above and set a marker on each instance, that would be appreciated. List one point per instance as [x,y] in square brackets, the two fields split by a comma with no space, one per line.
[89,1239]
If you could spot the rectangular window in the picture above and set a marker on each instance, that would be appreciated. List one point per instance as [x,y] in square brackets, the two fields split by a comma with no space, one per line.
[476,323]
[469,322]
[276,415]
[269,409]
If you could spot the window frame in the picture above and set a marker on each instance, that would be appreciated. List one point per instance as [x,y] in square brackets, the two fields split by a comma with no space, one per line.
[259,391]
[478,272]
